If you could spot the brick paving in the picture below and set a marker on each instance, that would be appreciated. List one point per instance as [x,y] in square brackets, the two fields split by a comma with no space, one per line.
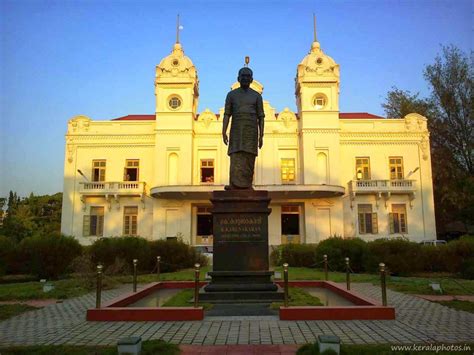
[418,321]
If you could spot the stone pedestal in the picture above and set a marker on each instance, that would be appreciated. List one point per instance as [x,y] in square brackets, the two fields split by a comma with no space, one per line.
[241,256]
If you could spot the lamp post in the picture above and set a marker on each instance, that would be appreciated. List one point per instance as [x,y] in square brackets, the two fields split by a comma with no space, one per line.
[285,278]
[135,262]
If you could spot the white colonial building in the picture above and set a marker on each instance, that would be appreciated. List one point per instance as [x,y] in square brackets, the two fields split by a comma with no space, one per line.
[328,173]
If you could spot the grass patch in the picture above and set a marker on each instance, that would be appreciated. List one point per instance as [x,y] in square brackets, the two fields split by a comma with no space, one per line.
[298,297]
[63,289]
[11,310]
[181,275]
[150,347]
[375,349]
[413,285]
[182,298]
[459,305]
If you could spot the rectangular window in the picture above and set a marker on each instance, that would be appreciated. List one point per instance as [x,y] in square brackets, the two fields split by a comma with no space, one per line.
[93,224]
[398,219]
[131,170]
[207,170]
[287,170]
[98,170]
[396,168]
[204,226]
[368,223]
[130,220]
[363,168]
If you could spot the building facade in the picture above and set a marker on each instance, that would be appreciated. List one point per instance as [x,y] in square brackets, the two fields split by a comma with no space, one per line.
[328,173]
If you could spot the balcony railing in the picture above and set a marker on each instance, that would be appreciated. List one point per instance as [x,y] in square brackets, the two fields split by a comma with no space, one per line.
[112,188]
[381,186]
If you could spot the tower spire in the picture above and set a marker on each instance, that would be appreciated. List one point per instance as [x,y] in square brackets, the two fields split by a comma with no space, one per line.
[177,30]
[314,24]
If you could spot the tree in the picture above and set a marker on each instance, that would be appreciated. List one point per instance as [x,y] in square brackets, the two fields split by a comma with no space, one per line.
[451,79]
[450,121]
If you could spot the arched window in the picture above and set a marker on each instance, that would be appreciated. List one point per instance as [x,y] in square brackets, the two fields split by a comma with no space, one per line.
[322,168]
[173,169]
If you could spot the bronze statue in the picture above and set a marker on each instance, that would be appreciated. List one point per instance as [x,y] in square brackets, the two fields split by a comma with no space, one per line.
[245,105]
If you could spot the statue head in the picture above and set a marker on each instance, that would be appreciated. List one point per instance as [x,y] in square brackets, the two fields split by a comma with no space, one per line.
[245,77]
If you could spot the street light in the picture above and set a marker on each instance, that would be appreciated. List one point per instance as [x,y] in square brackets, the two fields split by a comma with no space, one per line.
[82,174]
[359,175]
[412,172]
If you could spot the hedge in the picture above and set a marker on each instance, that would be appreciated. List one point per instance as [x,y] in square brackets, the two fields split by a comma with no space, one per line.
[48,256]
[401,257]
[117,253]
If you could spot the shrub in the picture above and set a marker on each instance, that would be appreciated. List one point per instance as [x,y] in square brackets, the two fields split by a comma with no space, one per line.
[467,269]
[401,257]
[175,255]
[337,249]
[49,256]
[456,253]
[117,253]
[7,255]
[106,250]
[431,258]
[294,255]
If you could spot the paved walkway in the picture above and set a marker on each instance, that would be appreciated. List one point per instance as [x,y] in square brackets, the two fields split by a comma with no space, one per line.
[418,321]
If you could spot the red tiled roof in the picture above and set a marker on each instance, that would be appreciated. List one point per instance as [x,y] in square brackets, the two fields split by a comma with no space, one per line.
[136,118]
[357,115]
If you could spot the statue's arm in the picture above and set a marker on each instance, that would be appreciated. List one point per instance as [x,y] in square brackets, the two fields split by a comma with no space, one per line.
[261,121]
[225,122]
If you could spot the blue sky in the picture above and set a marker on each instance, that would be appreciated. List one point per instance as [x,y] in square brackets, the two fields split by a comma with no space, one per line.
[64,58]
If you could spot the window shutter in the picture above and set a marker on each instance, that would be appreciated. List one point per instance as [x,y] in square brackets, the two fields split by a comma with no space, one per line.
[403,223]
[134,225]
[361,223]
[375,227]
[86,225]
[100,222]
[126,225]
[392,227]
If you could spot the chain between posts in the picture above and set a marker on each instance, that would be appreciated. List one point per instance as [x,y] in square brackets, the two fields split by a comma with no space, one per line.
[285,279]
[196,284]
[348,274]
[98,296]
[135,262]
[383,284]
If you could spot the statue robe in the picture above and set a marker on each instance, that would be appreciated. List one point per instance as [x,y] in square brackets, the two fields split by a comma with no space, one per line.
[246,110]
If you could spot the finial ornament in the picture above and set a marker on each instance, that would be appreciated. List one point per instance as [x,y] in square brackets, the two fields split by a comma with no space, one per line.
[247,60]
[178,27]
[314,24]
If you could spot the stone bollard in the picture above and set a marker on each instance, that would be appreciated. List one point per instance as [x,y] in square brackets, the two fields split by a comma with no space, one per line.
[383,284]
[135,262]
[325,267]
[98,295]
[196,284]
[285,280]
[348,275]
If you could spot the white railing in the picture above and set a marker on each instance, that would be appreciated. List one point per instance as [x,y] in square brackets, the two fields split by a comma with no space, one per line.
[369,186]
[112,187]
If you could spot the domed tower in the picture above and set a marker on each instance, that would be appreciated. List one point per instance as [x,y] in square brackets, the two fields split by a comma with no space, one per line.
[317,100]
[176,88]
[177,92]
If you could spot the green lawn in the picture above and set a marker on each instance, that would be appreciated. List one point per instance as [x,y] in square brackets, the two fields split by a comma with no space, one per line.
[413,285]
[459,305]
[74,287]
[385,349]
[182,298]
[151,347]
[298,297]
[11,310]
